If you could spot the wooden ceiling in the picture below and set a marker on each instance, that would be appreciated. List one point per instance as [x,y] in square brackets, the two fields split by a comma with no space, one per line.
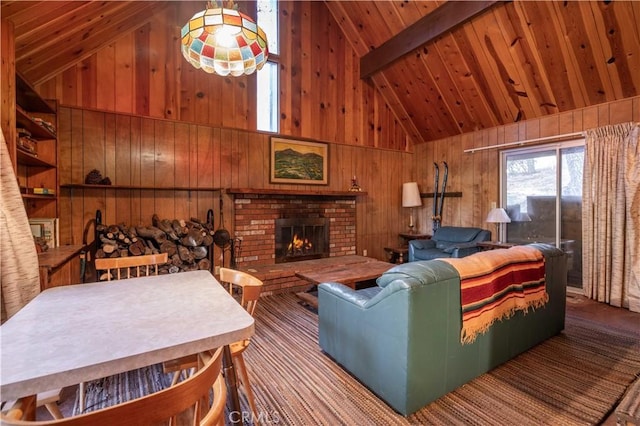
[514,61]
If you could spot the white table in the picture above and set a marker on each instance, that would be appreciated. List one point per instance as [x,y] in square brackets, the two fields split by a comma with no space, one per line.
[73,334]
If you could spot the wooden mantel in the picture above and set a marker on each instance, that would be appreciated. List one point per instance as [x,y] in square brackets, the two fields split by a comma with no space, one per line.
[308,193]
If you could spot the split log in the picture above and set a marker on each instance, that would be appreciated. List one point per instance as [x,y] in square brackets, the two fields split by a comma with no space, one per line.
[193,239]
[137,248]
[204,264]
[199,252]
[179,228]
[185,255]
[152,233]
[168,247]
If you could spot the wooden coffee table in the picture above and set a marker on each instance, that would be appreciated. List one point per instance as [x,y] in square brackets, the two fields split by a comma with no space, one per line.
[355,276]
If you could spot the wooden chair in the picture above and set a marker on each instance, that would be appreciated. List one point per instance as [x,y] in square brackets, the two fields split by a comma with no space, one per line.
[248,287]
[187,399]
[145,264]
[49,399]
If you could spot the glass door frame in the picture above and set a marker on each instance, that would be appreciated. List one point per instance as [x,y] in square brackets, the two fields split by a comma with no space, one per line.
[557,148]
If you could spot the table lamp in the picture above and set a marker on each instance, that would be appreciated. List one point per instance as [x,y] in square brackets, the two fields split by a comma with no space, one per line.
[411,198]
[498,215]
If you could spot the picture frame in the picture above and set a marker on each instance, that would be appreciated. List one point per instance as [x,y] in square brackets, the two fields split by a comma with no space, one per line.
[299,161]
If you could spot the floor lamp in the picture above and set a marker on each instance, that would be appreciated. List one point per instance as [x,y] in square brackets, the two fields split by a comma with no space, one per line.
[498,216]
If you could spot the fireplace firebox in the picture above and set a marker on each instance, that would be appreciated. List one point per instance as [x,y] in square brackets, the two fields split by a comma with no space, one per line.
[301,239]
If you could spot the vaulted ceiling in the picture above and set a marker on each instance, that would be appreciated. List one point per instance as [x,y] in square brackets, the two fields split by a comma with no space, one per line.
[513,61]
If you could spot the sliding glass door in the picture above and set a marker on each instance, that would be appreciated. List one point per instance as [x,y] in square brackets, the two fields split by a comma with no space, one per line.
[542,193]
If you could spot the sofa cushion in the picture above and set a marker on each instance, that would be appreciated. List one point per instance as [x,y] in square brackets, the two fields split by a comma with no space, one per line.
[414,270]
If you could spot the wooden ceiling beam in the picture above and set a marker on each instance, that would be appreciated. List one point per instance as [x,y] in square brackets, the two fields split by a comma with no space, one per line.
[443,19]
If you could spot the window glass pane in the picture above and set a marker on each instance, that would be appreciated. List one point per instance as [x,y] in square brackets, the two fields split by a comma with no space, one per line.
[572,160]
[268,21]
[267,98]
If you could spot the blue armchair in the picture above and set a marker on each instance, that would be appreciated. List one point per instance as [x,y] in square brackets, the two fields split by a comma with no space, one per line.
[448,241]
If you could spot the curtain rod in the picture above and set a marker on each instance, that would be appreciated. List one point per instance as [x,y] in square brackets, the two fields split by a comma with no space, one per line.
[556,138]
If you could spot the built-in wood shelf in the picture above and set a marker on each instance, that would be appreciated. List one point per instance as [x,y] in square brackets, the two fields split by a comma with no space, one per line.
[301,192]
[155,188]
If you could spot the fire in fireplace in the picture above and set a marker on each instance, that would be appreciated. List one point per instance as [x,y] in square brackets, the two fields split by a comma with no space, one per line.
[301,239]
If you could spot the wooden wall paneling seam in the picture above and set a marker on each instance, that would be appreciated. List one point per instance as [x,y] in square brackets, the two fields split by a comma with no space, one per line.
[109,165]
[575,86]
[621,111]
[340,80]
[625,67]
[596,35]
[297,53]
[477,33]
[447,90]
[142,71]
[534,63]
[549,126]
[124,86]
[543,45]
[596,32]
[475,64]
[70,21]
[521,67]
[306,70]
[285,71]
[329,74]
[93,40]
[25,13]
[160,38]
[105,78]
[468,116]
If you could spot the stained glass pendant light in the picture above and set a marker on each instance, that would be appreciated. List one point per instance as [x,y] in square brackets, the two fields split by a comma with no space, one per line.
[224,41]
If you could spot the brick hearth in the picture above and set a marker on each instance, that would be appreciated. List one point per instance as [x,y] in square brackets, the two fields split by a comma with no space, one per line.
[254,223]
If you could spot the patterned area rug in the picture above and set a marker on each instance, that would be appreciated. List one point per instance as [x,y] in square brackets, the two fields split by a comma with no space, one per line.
[575,378]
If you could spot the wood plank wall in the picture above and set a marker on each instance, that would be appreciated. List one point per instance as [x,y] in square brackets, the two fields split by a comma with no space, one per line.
[152,157]
[8,86]
[477,175]
[321,97]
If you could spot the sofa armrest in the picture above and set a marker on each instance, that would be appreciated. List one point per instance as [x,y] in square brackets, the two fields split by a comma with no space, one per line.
[464,249]
[421,244]
[345,293]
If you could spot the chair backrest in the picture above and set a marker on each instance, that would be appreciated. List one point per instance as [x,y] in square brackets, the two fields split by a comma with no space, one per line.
[171,403]
[250,285]
[117,263]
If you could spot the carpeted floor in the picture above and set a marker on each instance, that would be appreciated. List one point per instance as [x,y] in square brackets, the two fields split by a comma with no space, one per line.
[576,377]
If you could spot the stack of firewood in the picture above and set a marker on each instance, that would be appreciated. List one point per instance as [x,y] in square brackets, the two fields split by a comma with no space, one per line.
[187,242]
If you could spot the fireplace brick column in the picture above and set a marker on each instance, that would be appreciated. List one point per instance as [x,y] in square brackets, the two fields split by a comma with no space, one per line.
[255,215]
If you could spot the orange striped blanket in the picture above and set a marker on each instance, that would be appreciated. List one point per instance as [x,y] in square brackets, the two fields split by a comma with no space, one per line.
[497,283]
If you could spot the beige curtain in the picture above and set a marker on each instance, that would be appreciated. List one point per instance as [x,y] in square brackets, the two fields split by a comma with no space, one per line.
[611,216]
[19,274]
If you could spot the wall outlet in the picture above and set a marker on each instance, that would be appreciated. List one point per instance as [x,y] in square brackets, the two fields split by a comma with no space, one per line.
[364,252]
[217,270]
[493,205]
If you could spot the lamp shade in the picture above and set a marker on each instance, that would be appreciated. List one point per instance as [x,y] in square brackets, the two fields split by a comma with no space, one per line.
[522,217]
[224,41]
[498,215]
[411,195]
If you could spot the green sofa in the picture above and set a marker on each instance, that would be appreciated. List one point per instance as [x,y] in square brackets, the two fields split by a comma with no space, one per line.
[401,339]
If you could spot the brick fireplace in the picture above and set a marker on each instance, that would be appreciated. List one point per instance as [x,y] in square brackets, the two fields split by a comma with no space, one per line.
[255,216]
